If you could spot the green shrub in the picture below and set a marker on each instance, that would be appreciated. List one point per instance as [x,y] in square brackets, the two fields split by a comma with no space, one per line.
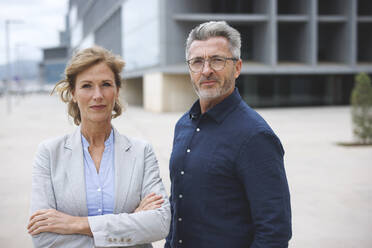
[361,108]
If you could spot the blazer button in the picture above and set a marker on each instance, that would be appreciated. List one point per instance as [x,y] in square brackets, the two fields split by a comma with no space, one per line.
[122,240]
[129,240]
[109,239]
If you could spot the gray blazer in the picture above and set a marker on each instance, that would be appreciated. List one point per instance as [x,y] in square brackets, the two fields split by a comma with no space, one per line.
[58,182]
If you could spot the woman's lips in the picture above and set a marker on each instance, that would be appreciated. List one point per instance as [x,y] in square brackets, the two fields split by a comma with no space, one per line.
[98,107]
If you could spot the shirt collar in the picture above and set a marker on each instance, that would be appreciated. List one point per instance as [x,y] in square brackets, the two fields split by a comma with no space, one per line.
[108,142]
[221,110]
[195,111]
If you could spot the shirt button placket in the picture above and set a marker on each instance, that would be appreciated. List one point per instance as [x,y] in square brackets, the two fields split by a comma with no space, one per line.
[180,196]
[100,203]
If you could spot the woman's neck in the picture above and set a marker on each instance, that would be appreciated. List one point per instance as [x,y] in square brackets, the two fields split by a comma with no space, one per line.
[96,133]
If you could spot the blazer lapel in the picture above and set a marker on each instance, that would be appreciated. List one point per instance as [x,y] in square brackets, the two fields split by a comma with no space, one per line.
[124,166]
[75,173]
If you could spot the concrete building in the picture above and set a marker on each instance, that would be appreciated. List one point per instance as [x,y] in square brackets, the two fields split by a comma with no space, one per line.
[295,52]
[54,63]
[55,58]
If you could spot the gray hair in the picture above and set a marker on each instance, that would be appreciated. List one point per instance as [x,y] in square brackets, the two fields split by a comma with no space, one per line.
[207,30]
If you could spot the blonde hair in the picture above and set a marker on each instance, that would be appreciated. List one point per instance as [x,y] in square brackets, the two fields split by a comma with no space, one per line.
[79,62]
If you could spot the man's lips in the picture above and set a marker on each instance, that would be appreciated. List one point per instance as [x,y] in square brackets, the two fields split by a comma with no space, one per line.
[97,107]
[208,82]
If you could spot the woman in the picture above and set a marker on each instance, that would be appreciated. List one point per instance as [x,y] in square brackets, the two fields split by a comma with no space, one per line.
[96,187]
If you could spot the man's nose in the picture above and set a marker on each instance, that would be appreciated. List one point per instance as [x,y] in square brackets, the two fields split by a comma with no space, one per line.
[206,70]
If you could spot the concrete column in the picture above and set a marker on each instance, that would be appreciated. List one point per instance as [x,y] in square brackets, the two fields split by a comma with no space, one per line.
[273,24]
[352,39]
[313,13]
[167,92]
[153,92]
[133,91]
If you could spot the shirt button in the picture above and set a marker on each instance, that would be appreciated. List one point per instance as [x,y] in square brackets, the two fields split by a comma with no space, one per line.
[99,189]
[198,129]
[99,210]
[179,219]
[188,150]
[182,172]
[180,196]
[180,241]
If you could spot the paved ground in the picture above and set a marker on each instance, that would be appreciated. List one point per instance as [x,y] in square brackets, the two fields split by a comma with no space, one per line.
[331,186]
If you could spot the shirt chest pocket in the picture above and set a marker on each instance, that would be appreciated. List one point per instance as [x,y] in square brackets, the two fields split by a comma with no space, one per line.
[219,173]
[218,184]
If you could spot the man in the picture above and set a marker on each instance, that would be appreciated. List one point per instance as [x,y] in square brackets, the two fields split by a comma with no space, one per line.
[229,187]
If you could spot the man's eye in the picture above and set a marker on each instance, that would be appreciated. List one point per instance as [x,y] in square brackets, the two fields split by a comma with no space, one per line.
[197,62]
[217,60]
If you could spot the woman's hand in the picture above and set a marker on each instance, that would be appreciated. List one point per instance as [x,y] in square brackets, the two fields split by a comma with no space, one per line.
[51,220]
[150,202]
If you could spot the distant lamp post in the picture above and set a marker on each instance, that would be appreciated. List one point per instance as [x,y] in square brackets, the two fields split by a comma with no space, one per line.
[8,67]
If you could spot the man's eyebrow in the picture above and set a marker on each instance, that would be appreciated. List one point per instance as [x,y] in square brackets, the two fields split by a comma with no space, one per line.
[198,57]
[213,56]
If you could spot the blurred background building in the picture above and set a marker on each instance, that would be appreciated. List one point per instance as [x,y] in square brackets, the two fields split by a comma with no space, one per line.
[55,58]
[294,52]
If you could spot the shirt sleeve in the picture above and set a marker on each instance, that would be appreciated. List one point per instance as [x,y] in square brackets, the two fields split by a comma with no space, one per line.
[42,197]
[260,168]
[128,229]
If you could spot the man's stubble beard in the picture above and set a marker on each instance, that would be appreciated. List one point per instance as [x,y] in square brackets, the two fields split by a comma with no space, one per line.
[215,92]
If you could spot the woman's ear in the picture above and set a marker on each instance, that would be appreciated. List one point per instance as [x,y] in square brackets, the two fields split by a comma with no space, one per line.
[73,96]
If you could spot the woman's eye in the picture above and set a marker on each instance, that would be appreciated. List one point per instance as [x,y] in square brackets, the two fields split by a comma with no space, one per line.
[85,86]
[106,84]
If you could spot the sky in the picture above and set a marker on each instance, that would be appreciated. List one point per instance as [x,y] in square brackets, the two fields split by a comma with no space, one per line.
[39,24]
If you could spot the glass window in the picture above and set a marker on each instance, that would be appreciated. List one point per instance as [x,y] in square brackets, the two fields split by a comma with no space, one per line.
[141,44]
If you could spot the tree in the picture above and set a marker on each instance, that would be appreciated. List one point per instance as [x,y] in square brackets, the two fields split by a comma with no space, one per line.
[361,108]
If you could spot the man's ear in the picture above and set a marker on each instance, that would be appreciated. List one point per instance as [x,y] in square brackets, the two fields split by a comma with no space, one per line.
[238,68]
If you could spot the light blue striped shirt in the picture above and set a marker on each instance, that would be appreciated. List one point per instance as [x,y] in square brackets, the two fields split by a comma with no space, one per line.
[100,187]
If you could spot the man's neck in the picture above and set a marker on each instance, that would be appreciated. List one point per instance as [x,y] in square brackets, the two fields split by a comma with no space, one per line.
[208,103]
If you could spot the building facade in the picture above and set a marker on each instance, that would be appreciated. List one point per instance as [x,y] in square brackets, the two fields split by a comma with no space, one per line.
[294,52]
[52,67]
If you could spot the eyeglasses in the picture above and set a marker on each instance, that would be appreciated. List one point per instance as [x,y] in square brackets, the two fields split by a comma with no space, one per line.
[216,63]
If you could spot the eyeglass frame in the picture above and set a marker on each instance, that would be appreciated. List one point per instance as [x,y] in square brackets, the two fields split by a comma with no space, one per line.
[209,62]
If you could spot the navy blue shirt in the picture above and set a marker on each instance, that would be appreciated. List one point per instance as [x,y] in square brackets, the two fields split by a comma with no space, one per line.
[228,183]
